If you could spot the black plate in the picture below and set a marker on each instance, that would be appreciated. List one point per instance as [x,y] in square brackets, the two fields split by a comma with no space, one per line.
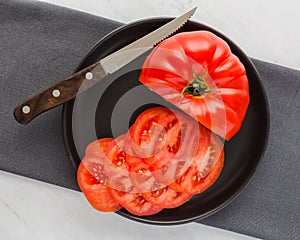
[242,153]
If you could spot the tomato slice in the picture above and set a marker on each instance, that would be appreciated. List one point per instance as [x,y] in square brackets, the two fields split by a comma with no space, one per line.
[178,144]
[121,188]
[97,148]
[182,158]
[203,172]
[141,176]
[167,197]
[135,203]
[148,133]
[165,133]
[170,146]
[126,171]
[92,178]
[118,167]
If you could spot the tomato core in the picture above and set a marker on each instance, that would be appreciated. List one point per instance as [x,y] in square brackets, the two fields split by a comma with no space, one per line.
[197,87]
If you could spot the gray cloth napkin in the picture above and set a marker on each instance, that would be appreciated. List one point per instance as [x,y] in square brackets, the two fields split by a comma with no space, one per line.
[42,43]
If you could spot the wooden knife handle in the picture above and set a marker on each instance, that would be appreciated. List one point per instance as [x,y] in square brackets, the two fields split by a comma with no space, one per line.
[60,93]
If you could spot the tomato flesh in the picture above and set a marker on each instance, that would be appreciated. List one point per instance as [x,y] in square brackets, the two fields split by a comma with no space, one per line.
[149,132]
[167,197]
[134,203]
[197,72]
[176,133]
[118,167]
[96,193]
[98,147]
[182,158]
[203,172]
[141,176]
[92,179]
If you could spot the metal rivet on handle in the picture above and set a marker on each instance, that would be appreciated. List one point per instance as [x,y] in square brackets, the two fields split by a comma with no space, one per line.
[56,93]
[89,76]
[26,109]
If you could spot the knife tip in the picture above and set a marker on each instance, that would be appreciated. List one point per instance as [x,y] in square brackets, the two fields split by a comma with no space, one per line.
[193,10]
[189,14]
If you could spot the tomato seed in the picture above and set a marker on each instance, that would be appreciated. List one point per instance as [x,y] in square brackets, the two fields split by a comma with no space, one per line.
[179,180]
[170,148]
[119,163]
[142,171]
[157,193]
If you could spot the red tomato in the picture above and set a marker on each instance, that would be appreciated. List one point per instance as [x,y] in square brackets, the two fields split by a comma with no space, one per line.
[165,134]
[204,170]
[92,178]
[167,197]
[181,138]
[127,173]
[118,167]
[153,191]
[134,171]
[97,148]
[192,150]
[141,176]
[134,203]
[148,134]
[197,72]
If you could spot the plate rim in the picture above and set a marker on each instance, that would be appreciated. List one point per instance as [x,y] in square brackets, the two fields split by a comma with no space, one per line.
[68,105]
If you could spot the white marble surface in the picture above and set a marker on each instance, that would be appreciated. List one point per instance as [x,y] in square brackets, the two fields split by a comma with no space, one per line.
[265,29]
[33,210]
[29,209]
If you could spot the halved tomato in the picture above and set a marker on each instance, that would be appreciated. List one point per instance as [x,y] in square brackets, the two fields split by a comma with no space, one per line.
[197,72]
[92,179]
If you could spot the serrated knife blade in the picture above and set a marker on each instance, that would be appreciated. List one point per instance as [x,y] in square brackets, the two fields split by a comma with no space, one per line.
[118,59]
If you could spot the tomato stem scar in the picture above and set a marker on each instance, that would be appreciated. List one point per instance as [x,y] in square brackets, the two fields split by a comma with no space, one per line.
[197,86]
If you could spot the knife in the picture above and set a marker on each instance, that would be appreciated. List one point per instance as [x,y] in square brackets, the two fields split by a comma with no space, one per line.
[68,88]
